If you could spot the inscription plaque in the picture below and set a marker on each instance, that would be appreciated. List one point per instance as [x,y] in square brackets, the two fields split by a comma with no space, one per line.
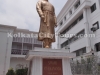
[52,67]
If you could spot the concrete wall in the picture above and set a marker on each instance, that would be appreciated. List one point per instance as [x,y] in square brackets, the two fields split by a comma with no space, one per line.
[37,66]
[76,29]
[5,49]
[87,23]
[78,44]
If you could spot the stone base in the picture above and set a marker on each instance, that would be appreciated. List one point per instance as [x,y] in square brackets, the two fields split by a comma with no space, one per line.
[49,62]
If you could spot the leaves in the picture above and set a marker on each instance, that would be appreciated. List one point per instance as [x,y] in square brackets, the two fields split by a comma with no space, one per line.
[10,72]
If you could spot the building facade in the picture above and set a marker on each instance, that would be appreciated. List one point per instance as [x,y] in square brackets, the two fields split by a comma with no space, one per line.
[79,26]
[14,45]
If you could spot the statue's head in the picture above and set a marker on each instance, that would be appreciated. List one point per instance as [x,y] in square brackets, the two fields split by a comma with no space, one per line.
[45,0]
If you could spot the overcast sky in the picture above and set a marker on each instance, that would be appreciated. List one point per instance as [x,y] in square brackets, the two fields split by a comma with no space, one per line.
[23,14]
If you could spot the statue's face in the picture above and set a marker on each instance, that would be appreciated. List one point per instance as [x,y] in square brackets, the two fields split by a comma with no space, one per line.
[45,0]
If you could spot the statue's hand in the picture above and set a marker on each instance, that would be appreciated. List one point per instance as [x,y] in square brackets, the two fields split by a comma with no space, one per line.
[42,16]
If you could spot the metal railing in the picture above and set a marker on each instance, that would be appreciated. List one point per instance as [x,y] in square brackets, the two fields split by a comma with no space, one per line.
[19,52]
[86,66]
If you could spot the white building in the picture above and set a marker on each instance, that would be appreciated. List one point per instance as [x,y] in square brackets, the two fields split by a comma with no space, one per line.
[80,17]
[14,45]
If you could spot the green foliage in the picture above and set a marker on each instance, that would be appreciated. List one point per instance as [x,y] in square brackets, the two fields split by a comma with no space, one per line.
[25,71]
[19,71]
[77,62]
[22,71]
[98,67]
[10,72]
[82,61]
[88,60]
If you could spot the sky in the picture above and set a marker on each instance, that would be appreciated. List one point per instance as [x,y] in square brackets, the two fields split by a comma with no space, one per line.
[23,14]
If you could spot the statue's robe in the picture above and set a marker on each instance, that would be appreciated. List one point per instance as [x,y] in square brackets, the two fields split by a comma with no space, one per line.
[47,24]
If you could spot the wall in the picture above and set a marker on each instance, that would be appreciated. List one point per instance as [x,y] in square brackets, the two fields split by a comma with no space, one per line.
[5,49]
[91,19]
[74,30]
[78,44]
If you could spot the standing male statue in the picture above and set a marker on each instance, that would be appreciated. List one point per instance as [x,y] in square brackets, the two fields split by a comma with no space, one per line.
[48,22]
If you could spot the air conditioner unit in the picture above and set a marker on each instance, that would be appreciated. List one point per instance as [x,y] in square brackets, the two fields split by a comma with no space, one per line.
[94,28]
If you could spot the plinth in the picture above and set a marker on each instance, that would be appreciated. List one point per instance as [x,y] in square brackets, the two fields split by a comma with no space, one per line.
[49,61]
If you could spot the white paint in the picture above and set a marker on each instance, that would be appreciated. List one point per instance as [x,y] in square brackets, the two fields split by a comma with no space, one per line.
[8,60]
[87,22]
[49,53]
[66,67]
[37,68]
[80,43]
[5,48]
[38,54]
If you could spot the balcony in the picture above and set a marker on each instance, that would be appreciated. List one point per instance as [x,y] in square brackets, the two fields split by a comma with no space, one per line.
[84,4]
[74,30]
[19,52]
[17,40]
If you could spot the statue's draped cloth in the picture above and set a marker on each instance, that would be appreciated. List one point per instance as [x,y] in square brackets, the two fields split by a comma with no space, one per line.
[47,24]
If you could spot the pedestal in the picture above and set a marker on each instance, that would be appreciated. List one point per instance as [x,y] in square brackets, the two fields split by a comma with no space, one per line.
[49,61]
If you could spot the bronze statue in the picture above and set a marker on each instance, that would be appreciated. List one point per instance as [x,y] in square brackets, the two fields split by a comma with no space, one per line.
[48,22]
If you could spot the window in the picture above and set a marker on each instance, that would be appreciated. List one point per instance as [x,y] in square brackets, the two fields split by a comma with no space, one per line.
[65,18]
[77,5]
[93,7]
[74,38]
[77,36]
[73,24]
[19,47]
[29,47]
[80,34]
[61,23]
[64,44]
[96,25]
[97,47]
[80,18]
[77,53]
[80,51]
[70,12]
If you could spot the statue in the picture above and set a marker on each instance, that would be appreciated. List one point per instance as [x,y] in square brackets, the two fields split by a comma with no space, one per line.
[48,22]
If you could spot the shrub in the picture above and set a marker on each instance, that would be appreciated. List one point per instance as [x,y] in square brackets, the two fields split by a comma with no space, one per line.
[83,61]
[10,72]
[22,71]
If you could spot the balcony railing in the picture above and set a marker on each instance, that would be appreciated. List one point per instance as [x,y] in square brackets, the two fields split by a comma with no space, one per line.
[19,52]
[25,52]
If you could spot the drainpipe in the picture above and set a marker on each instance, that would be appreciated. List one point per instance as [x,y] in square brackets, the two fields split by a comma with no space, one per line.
[86,24]
[58,41]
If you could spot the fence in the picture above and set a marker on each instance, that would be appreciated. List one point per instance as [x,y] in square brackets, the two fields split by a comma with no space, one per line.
[86,66]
